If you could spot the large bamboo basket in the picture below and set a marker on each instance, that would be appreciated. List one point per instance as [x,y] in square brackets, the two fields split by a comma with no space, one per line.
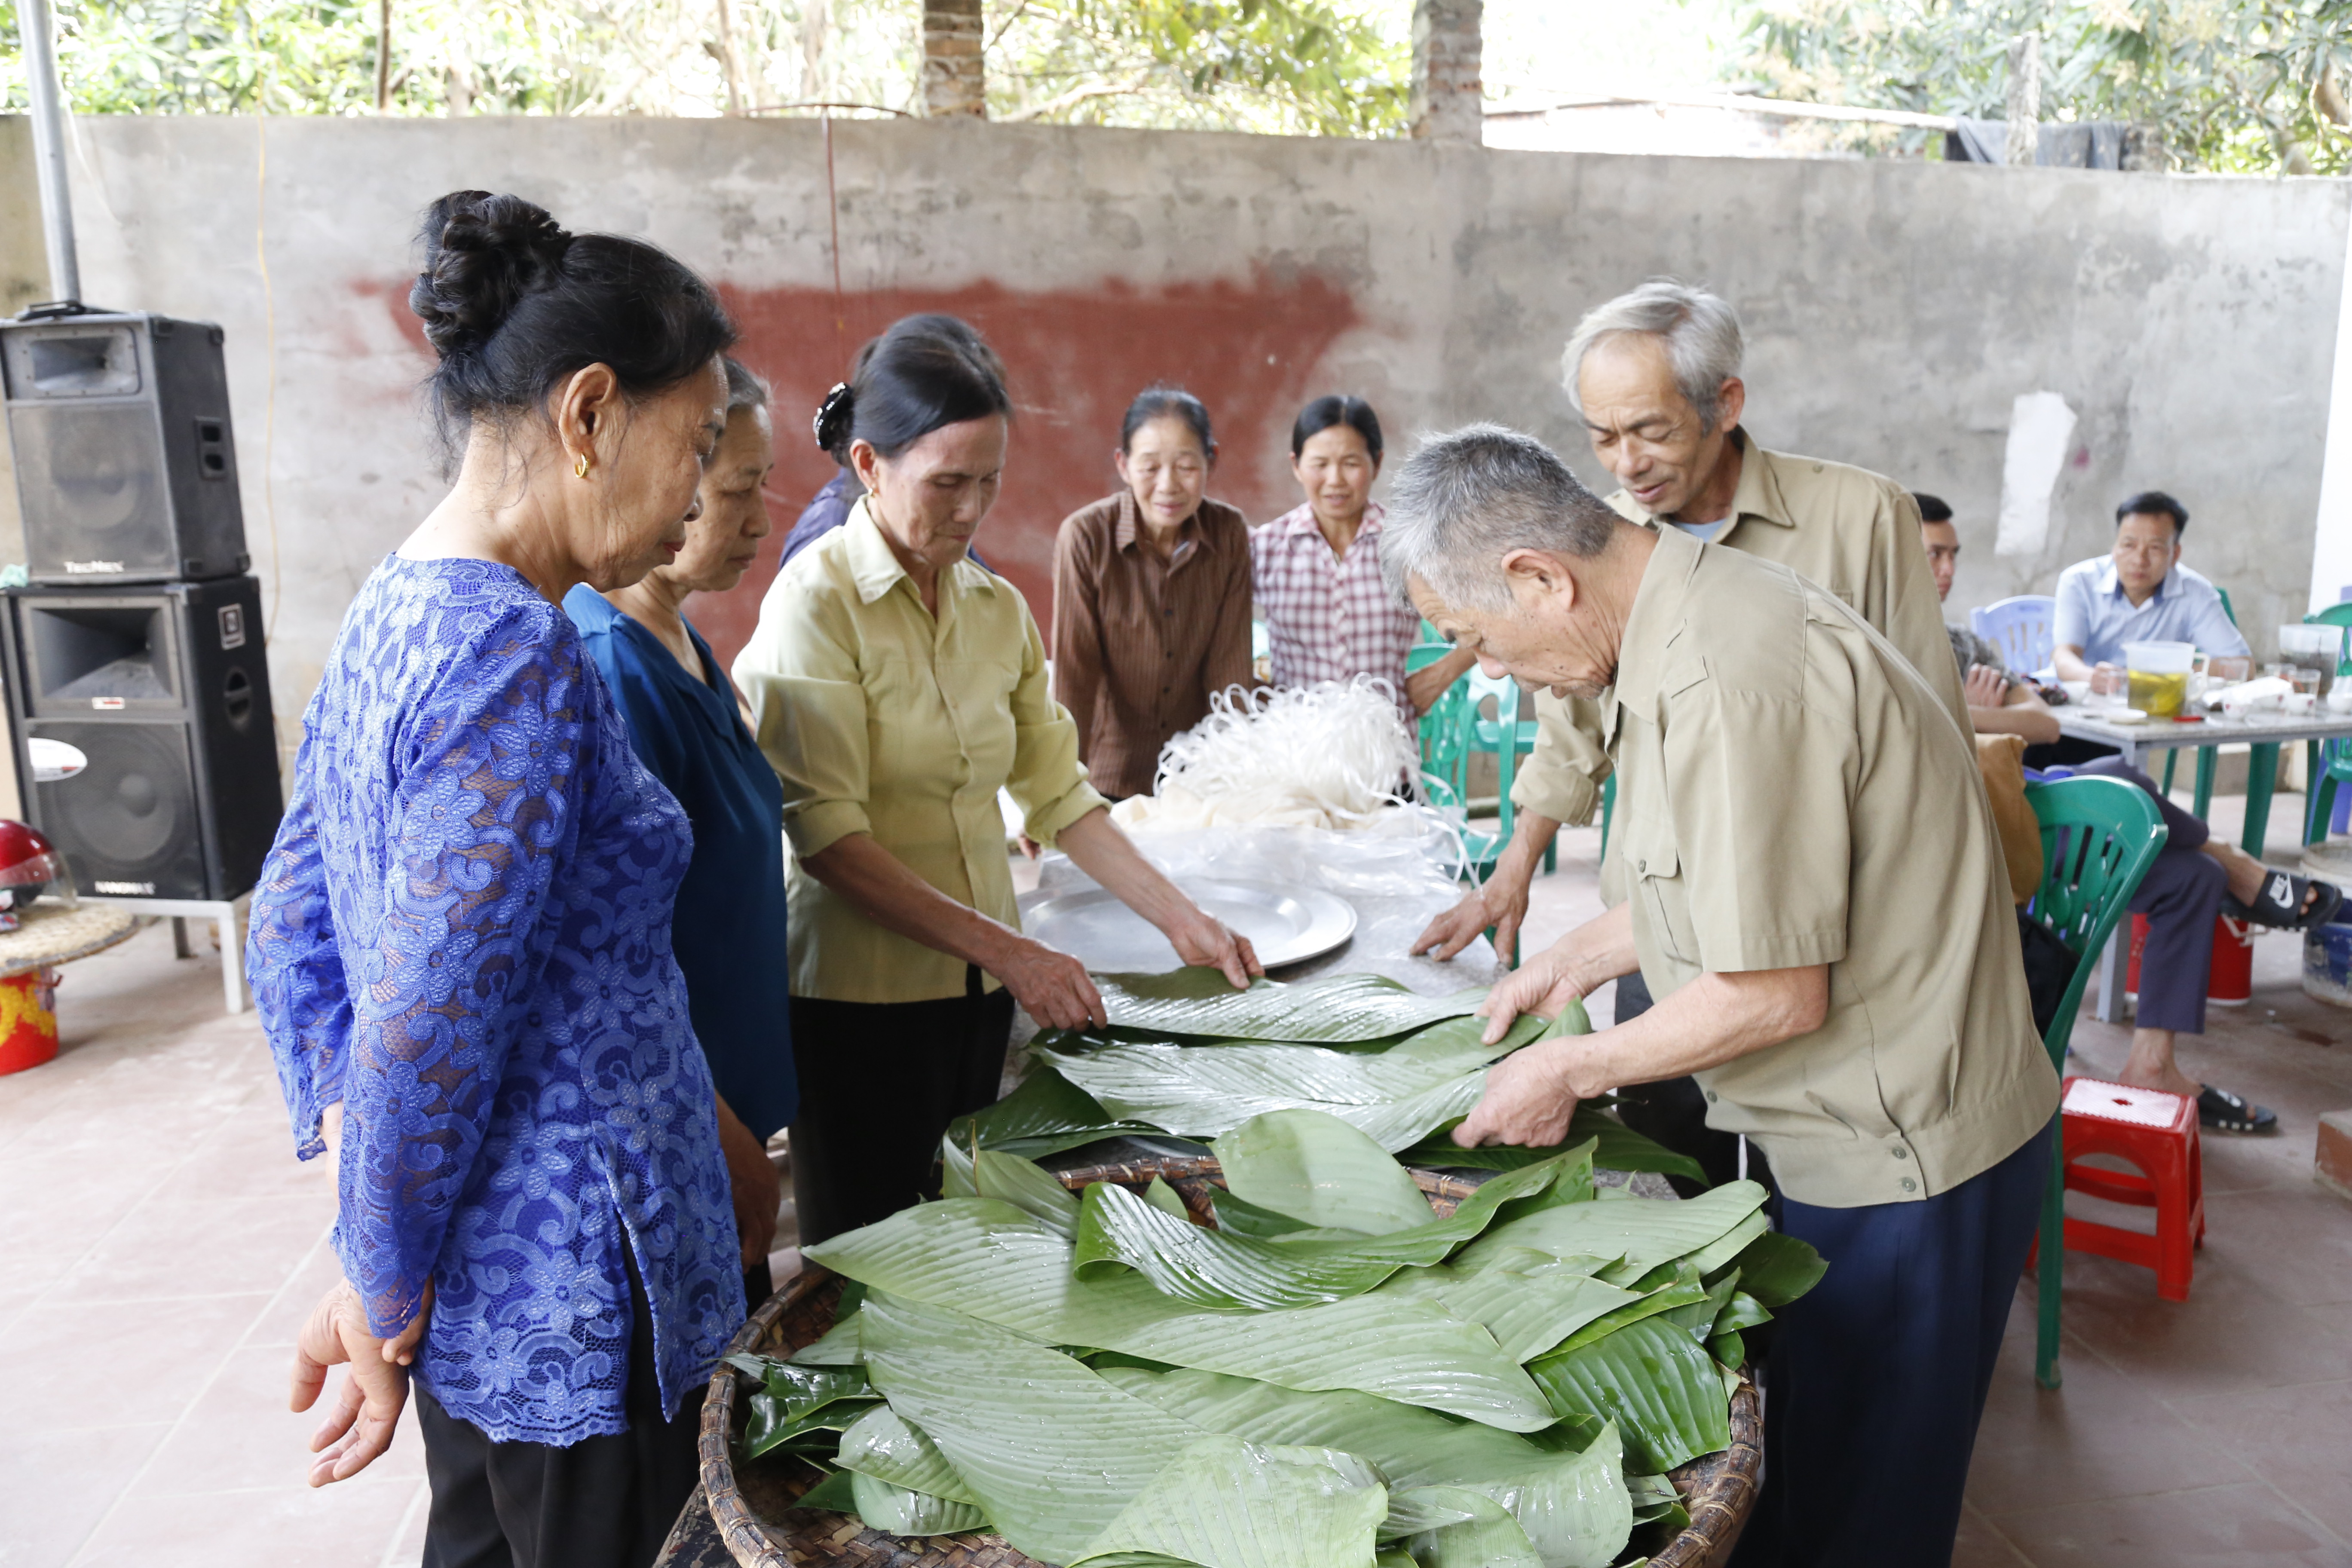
[753,1508]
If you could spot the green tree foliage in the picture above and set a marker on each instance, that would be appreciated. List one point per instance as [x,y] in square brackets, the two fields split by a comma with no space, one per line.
[1307,66]
[2246,86]
[1313,67]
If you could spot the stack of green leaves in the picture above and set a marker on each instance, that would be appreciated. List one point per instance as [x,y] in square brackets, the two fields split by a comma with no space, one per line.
[1332,1376]
[1187,1056]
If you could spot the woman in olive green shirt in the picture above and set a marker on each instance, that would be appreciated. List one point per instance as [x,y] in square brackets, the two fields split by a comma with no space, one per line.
[897,686]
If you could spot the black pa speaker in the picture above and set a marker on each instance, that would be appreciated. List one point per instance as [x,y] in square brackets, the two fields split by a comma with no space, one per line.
[166,692]
[126,462]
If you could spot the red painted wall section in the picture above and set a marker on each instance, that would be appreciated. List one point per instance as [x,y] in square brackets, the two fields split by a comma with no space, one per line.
[1076,358]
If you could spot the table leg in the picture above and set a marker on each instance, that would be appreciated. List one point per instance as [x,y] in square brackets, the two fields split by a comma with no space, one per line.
[232,971]
[2262,774]
[2207,759]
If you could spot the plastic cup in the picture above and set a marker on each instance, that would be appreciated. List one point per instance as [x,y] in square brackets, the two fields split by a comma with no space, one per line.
[2158,676]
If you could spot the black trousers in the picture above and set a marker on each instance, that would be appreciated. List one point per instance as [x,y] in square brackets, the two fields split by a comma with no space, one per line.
[1878,1376]
[879,1083]
[606,1501]
[1674,1112]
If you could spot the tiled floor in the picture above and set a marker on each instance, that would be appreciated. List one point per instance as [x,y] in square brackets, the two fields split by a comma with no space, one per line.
[159,1245]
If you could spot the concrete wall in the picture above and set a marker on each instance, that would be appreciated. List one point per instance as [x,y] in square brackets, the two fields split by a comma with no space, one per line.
[1895,310]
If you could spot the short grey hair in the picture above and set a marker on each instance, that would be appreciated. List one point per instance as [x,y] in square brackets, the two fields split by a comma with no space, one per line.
[746,388]
[1701,333]
[1468,499]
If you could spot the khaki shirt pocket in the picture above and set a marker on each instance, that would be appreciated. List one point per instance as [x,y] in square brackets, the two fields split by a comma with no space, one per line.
[1654,866]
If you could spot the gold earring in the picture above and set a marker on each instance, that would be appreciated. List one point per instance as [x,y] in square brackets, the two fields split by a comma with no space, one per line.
[580,465]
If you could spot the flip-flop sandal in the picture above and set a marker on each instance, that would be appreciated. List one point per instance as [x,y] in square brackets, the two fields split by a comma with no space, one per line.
[2225,1113]
[2280,904]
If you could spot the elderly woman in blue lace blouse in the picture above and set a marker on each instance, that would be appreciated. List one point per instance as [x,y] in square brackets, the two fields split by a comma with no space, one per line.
[461,941]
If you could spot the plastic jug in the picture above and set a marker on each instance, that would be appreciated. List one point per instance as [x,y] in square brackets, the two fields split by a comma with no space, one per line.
[2158,674]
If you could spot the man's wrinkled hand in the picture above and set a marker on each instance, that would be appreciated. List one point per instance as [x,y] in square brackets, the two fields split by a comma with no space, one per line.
[1543,987]
[1528,1103]
[1456,929]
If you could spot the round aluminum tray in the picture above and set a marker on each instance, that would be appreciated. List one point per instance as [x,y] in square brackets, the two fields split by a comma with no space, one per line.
[1285,925]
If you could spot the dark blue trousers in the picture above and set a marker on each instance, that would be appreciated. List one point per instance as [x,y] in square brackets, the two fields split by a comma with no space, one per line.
[1877,1377]
[2180,895]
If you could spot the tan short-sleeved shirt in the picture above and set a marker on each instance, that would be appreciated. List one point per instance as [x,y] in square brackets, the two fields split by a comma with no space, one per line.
[1853,531]
[880,719]
[1792,793]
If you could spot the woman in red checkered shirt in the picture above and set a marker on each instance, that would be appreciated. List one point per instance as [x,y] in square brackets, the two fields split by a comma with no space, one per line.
[1315,570]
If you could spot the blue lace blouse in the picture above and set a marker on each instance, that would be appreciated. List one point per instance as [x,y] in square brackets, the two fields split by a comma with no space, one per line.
[463,934]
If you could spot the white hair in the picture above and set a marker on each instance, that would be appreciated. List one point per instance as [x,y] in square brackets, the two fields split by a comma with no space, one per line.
[1700,332]
[1466,500]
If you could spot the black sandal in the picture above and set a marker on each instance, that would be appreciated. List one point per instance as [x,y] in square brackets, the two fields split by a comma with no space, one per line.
[2225,1113]
[2280,904]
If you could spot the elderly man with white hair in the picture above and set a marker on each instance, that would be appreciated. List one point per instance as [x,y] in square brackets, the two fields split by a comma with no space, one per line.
[1817,903]
[1655,375]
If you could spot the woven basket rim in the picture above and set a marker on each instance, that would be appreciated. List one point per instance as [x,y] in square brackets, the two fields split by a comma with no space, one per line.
[1718,1490]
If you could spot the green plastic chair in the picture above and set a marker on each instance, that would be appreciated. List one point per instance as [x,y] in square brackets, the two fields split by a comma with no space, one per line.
[2098,837]
[2330,765]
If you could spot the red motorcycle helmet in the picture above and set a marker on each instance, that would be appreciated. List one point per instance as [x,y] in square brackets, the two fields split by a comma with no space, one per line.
[28,863]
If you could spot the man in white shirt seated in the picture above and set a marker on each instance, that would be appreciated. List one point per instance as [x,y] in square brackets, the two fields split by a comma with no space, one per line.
[2138,592]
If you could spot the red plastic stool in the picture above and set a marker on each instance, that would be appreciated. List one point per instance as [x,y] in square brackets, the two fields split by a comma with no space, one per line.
[2157,1132]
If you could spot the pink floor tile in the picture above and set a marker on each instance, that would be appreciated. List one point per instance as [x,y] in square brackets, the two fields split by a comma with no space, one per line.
[239,1435]
[351,1525]
[62,1362]
[57,1484]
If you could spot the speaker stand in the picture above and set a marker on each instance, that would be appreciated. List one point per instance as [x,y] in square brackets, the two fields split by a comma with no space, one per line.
[226,918]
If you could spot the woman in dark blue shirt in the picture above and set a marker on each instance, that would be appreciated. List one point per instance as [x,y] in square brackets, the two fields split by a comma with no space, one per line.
[728,930]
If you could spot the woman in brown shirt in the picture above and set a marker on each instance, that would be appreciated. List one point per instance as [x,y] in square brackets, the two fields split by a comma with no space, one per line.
[1151,596]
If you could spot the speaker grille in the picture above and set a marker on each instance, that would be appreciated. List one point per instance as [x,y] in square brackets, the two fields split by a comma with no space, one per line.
[92,480]
[127,824]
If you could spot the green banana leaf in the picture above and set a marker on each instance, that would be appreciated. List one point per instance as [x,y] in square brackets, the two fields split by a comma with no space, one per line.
[903,1512]
[1226,1503]
[1776,1269]
[798,1390]
[882,1444]
[1620,1149]
[1652,1496]
[1164,1199]
[766,1428]
[1720,1253]
[1118,1231]
[1697,1319]
[1742,1312]
[1572,1504]
[1528,1313]
[1046,1115]
[1644,1233]
[1679,1293]
[1319,1171]
[1052,1451]
[988,1258]
[1417,1509]
[838,1492]
[1394,1097]
[1239,1216]
[1488,1538]
[1198,1001]
[1660,1387]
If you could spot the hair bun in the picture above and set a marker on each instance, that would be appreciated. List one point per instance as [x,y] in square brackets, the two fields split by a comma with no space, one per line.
[482,254]
[835,418]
